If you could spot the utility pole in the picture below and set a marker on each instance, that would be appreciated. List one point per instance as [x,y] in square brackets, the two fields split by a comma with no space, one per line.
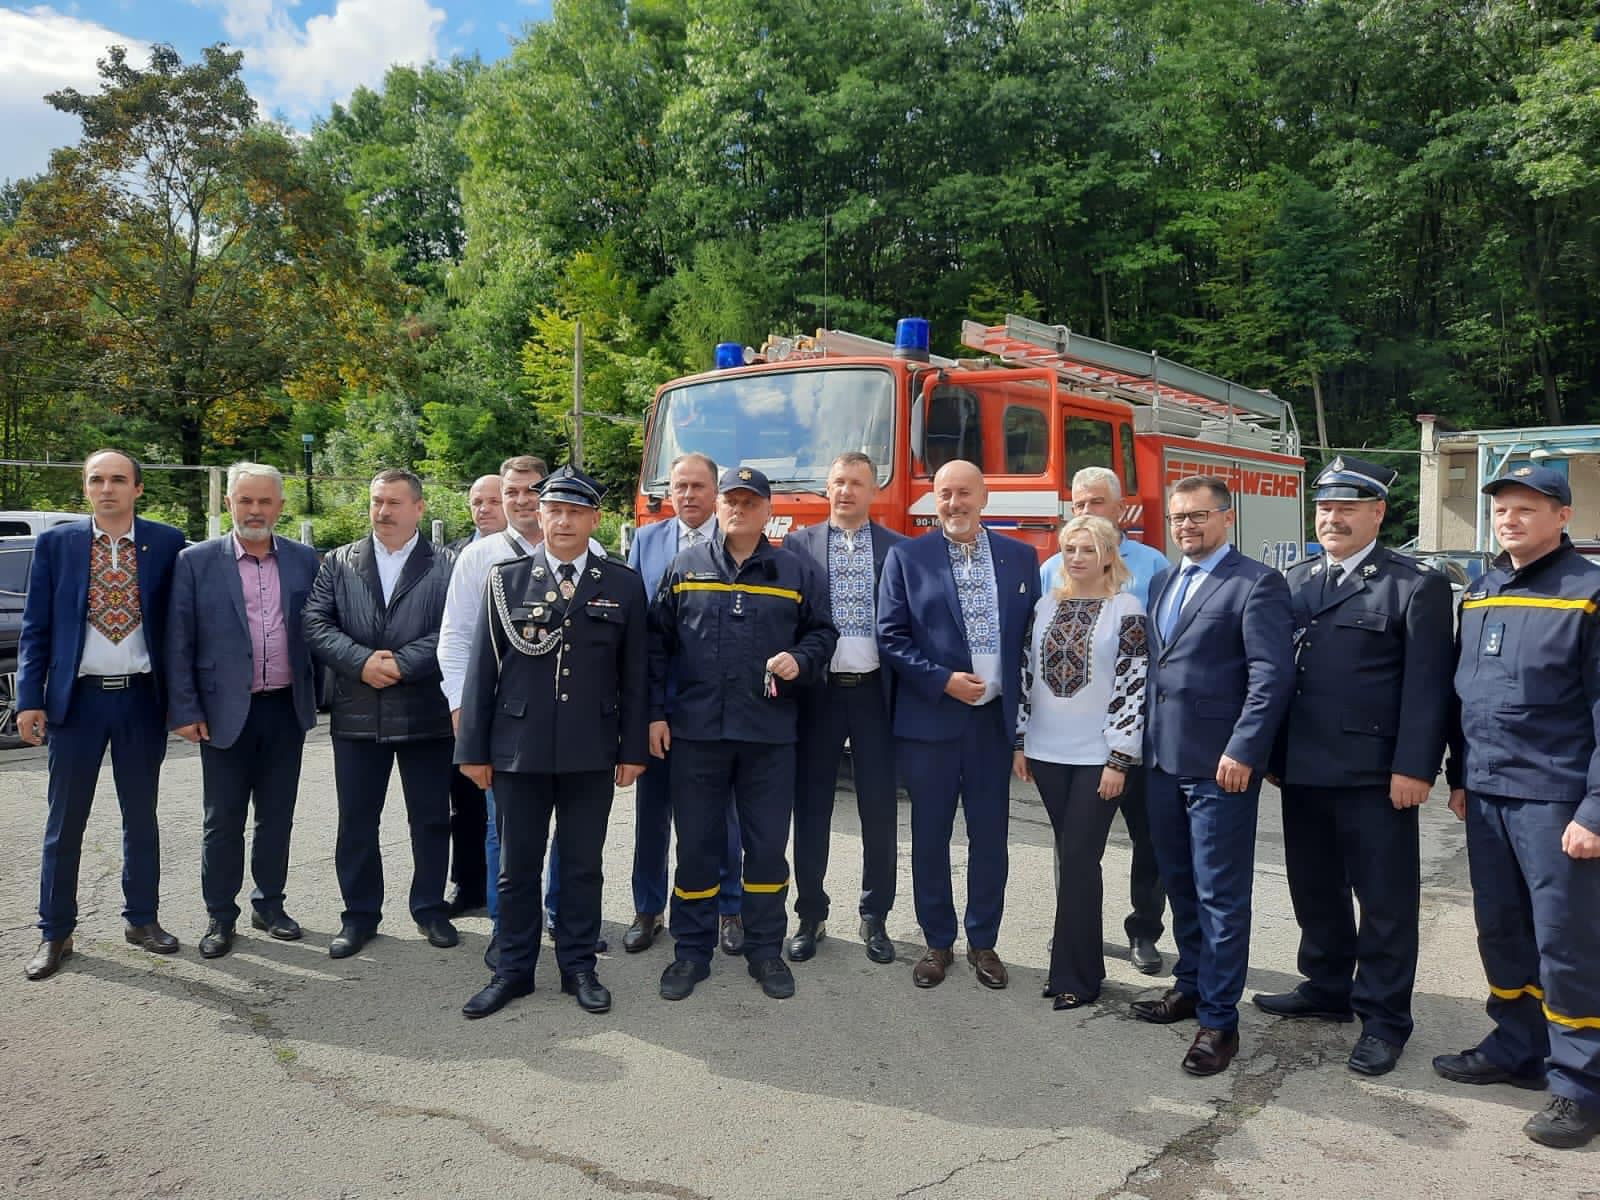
[306,440]
[577,395]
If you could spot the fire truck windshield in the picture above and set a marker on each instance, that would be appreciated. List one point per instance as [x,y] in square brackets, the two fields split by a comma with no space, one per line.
[788,424]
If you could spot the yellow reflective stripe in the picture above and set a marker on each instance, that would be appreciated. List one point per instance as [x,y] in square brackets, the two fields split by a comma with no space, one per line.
[765,888]
[697,585]
[1531,989]
[704,895]
[1571,1022]
[1587,606]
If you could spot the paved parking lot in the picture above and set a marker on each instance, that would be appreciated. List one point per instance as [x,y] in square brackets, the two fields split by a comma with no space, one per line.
[278,1072]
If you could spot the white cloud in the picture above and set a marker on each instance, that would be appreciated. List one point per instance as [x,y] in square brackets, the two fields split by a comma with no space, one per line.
[42,50]
[306,66]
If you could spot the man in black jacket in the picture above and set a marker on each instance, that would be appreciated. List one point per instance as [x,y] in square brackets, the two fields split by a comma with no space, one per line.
[373,618]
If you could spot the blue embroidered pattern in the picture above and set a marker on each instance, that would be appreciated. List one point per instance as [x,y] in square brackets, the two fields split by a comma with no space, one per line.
[850,581]
[975,587]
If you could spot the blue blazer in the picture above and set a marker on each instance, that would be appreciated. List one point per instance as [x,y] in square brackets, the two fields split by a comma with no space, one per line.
[1223,683]
[812,543]
[653,549]
[55,616]
[922,637]
[209,661]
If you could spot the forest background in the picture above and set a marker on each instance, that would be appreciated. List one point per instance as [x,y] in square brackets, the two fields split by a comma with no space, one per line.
[1390,204]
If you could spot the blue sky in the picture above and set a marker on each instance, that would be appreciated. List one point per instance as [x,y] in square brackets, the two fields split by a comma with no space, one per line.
[300,55]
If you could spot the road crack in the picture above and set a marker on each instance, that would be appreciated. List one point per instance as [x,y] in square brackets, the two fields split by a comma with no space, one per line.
[983,1160]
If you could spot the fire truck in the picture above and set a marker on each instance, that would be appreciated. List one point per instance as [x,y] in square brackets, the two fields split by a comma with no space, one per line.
[1035,404]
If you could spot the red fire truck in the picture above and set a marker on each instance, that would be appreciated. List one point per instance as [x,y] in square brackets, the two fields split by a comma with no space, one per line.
[1037,404]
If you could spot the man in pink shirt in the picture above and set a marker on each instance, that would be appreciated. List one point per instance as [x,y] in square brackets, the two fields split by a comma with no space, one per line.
[241,687]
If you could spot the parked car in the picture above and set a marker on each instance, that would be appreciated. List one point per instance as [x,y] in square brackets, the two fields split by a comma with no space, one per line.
[23,523]
[16,556]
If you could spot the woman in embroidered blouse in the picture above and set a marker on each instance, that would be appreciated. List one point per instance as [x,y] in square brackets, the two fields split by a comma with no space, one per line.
[1080,727]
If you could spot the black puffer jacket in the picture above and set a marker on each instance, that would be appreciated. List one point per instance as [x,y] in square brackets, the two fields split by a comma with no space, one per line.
[346,620]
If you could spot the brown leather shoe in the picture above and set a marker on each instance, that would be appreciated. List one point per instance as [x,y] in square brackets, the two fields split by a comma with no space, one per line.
[991,971]
[931,967]
[47,959]
[1211,1051]
[1172,1007]
[151,937]
[642,933]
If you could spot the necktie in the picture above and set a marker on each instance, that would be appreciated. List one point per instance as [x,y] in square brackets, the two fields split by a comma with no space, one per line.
[1331,581]
[567,572]
[1175,609]
[692,537]
[113,589]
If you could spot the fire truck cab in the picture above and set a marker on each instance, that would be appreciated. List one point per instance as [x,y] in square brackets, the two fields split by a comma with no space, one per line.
[1037,404]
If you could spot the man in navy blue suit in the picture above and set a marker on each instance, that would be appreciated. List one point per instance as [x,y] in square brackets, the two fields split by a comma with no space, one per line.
[952,616]
[88,675]
[1221,677]
[241,686]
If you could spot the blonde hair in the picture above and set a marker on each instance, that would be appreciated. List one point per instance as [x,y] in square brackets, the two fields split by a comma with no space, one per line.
[1107,540]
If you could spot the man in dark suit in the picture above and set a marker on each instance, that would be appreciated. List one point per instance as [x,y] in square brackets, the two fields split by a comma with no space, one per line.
[469,812]
[953,611]
[554,718]
[852,702]
[1221,675]
[1356,756]
[241,686]
[88,674]
[373,618]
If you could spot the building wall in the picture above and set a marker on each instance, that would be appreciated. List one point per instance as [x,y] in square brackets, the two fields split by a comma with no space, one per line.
[1583,473]
[1458,508]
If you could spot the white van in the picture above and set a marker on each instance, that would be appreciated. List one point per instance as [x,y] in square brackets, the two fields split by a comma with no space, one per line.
[21,524]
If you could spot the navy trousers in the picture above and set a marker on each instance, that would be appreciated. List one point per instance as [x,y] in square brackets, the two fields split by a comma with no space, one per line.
[132,723]
[652,827]
[1352,843]
[1146,894]
[973,769]
[1205,841]
[469,845]
[581,804]
[832,714]
[361,772]
[1539,936]
[761,778]
[491,859]
[263,767]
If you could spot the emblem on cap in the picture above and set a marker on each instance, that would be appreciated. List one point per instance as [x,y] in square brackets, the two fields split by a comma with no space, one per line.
[1337,464]
[744,473]
[1521,471]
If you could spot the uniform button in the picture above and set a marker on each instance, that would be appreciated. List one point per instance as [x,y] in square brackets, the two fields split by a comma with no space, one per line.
[568,621]
[566,670]
[563,695]
[1313,620]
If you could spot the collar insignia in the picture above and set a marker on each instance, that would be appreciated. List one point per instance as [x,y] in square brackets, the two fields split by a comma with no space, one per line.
[594,572]
[1368,571]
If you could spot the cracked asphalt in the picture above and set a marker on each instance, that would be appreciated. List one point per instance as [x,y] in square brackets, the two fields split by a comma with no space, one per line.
[278,1072]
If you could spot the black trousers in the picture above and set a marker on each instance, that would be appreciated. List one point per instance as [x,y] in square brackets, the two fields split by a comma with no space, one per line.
[361,772]
[1344,843]
[469,821]
[261,767]
[1081,820]
[581,803]
[1146,894]
[860,714]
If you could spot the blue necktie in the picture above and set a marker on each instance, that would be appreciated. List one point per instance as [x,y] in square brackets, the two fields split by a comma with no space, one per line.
[1175,609]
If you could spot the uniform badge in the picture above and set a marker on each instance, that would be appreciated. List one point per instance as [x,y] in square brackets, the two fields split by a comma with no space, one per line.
[1368,571]
[550,597]
[530,632]
[594,572]
[1317,570]
[1521,471]
[744,473]
[538,572]
[1337,464]
[1494,637]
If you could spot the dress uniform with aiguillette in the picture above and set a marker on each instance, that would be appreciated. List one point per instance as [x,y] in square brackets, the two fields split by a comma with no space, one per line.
[1372,651]
[554,700]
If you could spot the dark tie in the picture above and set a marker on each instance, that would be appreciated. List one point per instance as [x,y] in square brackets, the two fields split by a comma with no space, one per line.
[567,572]
[1331,582]
[1175,609]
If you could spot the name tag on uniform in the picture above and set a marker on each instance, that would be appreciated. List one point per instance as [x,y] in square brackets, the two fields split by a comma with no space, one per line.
[1493,637]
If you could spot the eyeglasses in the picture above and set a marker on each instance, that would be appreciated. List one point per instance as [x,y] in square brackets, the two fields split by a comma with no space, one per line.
[1198,517]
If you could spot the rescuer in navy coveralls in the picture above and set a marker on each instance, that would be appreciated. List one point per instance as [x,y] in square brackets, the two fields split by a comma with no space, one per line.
[553,718]
[1524,774]
[1355,758]
[741,625]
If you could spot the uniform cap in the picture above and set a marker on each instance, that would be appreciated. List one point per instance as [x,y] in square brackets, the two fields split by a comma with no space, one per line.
[567,485]
[1354,479]
[748,478]
[1546,480]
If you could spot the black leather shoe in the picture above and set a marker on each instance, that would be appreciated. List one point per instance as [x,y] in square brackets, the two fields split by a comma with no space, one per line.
[1211,1051]
[277,923]
[47,959]
[218,939]
[1471,1067]
[1144,956]
[348,941]
[499,993]
[1564,1124]
[457,902]
[642,933]
[591,993]
[1373,1056]
[1067,1001]
[491,953]
[1174,1006]
[439,932]
[732,935]
[879,948]
[774,976]
[151,937]
[678,980]
[803,944]
[1297,1004]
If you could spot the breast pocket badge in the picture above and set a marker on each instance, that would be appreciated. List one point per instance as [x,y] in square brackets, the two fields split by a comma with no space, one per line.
[1494,637]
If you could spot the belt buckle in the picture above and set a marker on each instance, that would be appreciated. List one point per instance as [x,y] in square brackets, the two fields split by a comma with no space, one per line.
[114,683]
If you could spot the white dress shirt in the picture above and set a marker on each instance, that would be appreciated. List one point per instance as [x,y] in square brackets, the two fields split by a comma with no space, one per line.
[706,529]
[1355,560]
[102,656]
[391,563]
[464,603]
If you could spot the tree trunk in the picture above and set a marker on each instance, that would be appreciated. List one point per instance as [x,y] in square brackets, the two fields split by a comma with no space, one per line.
[1322,414]
[1551,400]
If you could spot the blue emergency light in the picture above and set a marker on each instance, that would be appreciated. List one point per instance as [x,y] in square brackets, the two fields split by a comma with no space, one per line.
[729,354]
[911,339]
